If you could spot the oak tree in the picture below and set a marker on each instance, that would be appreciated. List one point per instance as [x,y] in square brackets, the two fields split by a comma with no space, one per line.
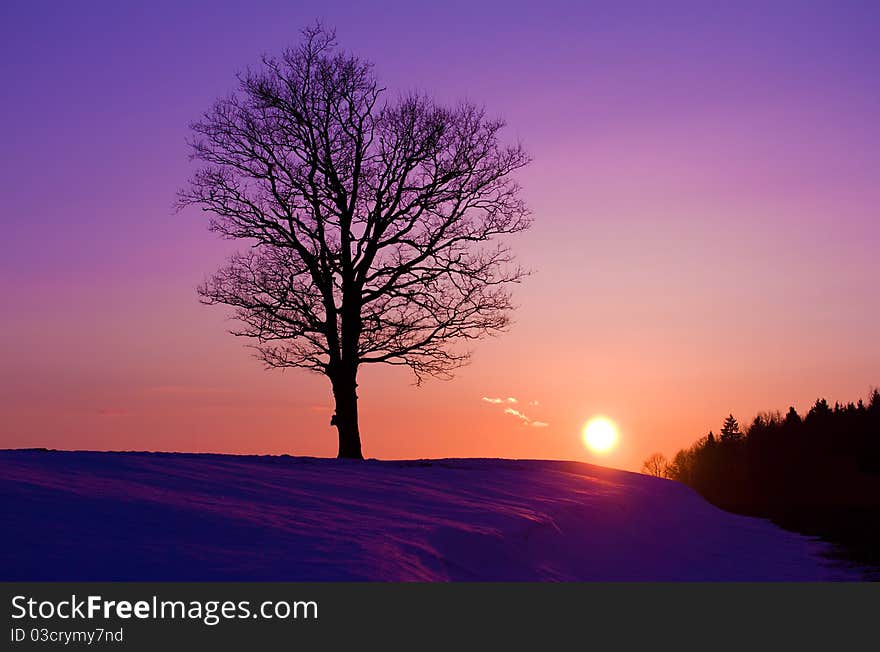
[373,222]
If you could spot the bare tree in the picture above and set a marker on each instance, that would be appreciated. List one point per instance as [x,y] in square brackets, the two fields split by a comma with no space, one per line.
[374,224]
[656,465]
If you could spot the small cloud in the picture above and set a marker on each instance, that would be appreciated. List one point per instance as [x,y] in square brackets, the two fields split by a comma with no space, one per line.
[519,415]
[513,412]
[499,400]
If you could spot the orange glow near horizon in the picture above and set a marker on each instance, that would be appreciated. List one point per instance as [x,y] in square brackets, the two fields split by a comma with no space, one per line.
[705,236]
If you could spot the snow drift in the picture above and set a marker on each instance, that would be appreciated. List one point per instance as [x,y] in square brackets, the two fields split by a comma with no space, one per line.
[168,516]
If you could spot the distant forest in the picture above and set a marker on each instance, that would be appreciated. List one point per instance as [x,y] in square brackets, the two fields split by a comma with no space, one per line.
[818,474]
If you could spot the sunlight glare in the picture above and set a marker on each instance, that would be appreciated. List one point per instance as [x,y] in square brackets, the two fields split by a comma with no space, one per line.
[600,434]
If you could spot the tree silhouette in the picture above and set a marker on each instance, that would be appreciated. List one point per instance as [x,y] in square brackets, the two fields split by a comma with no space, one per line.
[820,411]
[818,474]
[373,223]
[656,465]
[730,430]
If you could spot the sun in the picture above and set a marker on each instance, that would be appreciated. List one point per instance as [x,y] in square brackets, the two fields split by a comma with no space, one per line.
[600,434]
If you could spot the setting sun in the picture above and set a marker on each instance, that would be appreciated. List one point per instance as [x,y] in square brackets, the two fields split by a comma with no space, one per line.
[600,434]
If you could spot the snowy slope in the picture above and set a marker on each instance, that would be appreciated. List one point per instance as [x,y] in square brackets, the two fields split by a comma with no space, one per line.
[162,516]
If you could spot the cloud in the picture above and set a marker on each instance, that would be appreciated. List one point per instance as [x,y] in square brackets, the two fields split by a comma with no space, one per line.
[513,412]
[526,419]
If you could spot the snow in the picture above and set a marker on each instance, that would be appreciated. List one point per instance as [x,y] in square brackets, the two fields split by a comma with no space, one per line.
[173,516]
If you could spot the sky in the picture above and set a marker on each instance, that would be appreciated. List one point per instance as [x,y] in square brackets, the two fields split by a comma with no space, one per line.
[704,189]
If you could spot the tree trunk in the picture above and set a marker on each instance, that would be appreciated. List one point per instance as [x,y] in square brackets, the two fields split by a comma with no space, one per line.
[346,417]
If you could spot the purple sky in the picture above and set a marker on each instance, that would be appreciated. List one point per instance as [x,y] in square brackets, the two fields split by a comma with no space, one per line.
[705,187]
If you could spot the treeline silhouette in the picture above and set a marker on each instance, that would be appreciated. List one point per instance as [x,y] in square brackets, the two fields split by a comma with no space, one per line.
[818,474]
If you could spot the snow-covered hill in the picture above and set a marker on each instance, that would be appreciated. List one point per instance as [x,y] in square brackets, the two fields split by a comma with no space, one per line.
[163,516]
